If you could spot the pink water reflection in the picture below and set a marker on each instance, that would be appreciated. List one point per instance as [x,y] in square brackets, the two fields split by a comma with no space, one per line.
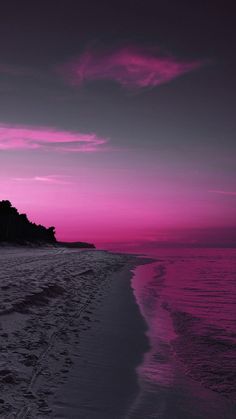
[147,284]
[188,301]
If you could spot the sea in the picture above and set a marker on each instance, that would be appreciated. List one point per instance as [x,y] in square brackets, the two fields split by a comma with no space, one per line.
[187,298]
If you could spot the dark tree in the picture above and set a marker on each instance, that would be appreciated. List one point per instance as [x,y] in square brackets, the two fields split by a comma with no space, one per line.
[16,228]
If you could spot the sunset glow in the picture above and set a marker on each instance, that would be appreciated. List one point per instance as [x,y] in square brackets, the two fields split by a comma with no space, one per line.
[120,134]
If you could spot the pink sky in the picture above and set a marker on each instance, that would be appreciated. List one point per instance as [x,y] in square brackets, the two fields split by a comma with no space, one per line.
[114,195]
[141,167]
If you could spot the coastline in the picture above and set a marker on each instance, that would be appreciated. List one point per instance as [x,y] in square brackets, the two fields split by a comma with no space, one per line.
[52,304]
[188,370]
[93,334]
[103,382]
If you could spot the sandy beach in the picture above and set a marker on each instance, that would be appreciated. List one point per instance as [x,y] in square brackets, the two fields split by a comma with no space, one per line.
[49,300]
[98,335]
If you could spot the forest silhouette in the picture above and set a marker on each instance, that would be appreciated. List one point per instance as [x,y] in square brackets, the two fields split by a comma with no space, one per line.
[16,228]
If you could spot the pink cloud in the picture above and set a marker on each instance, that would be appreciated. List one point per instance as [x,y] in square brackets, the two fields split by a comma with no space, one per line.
[128,66]
[33,138]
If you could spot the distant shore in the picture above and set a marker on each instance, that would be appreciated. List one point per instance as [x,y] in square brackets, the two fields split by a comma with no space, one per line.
[69,245]
[76,245]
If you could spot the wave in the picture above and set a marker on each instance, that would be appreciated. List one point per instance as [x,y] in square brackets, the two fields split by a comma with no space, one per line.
[206,356]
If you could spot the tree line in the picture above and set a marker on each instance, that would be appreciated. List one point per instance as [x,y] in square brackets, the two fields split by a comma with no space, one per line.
[15,227]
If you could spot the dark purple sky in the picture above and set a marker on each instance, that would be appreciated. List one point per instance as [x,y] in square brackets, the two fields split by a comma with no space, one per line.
[117,119]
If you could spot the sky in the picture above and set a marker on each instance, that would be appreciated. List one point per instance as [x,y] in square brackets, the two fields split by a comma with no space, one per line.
[117,119]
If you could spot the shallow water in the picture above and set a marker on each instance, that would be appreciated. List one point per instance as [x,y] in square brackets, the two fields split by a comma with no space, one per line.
[188,300]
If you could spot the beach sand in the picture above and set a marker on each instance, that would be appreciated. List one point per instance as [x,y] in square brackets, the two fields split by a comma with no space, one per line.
[71,334]
[103,383]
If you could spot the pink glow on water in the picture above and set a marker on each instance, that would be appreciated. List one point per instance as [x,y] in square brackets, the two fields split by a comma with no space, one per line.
[160,328]
[128,66]
[14,137]
[187,298]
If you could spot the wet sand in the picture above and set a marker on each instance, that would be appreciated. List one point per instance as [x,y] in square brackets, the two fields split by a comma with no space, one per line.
[103,383]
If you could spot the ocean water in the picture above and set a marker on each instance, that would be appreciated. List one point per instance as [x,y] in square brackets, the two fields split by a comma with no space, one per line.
[188,300]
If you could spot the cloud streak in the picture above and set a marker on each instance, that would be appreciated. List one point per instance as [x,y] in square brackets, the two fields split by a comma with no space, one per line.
[130,67]
[49,179]
[232,193]
[14,137]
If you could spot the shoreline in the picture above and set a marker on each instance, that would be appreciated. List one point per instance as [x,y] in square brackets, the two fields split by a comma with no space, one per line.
[50,303]
[104,382]
[188,371]
[93,334]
